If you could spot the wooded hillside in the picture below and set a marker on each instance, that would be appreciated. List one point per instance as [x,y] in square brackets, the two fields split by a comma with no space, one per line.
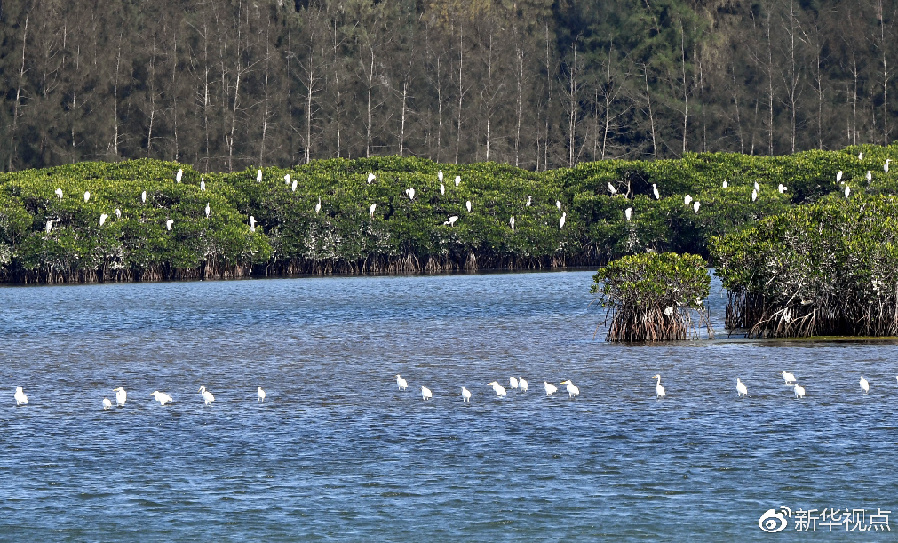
[539,84]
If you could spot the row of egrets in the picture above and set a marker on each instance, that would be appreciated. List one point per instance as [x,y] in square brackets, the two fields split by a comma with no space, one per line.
[121,396]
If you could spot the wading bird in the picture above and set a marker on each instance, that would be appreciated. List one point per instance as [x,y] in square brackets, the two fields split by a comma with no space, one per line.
[457,180]
[860,156]
[799,391]
[865,385]
[696,205]
[261,394]
[511,222]
[528,201]
[789,378]
[293,185]
[757,186]
[500,390]
[371,177]
[451,221]
[58,192]
[659,390]
[440,177]
[741,390]
[513,381]
[371,210]
[426,393]
[687,200]
[259,176]
[465,395]
[410,192]
[724,183]
[869,176]
[106,404]
[202,185]
[885,167]
[86,196]
[847,191]
[161,397]
[118,213]
[208,210]
[572,390]
[252,223]
[550,388]
[442,190]
[49,226]
[656,193]
[20,396]
[120,396]
[628,213]
[558,204]
[611,189]
[143,196]
[403,384]
[562,220]
[103,218]
[178,176]
[781,188]
[168,223]
[839,176]
[208,398]
[468,206]
[318,205]
[287,179]
[523,384]
[754,195]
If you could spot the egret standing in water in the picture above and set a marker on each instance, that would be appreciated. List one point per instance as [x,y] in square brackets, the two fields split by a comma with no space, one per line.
[789,378]
[500,390]
[513,381]
[106,404]
[799,391]
[426,393]
[572,390]
[865,385]
[20,396]
[403,384]
[208,398]
[465,393]
[523,384]
[261,395]
[741,390]
[120,396]
[161,397]
[550,388]
[659,390]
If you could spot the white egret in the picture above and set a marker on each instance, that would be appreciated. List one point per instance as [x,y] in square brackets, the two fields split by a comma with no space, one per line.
[528,201]
[465,393]
[757,186]
[261,394]
[550,388]
[411,193]
[106,404]
[452,220]
[865,385]
[860,156]
[798,390]
[58,192]
[788,377]
[869,176]
[259,176]
[628,213]
[839,176]
[118,213]
[668,311]
[558,204]
[252,223]
[371,210]
[513,381]
[847,191]
[287,179]
[781,188]
[318,205]
[161,397]
[202,185]
[442,190]
[500,390]
[49,226]
[885,167]
[371,177]
[725,183]
[457,180]
[120,396]
[178,176]
[168,223]
[208,210]
[403,384]
[562,220]
[426,393]
[611,189]
[687,200]
[440,175]
[143,196]
[511,222]
[696,205]
[741,389]
[293,185]
[754,195]
[659,390]
[572,390]
[523,384]
[20,396]
[86,196]
[655,191]
[468,206]
[208,398]
[103,218]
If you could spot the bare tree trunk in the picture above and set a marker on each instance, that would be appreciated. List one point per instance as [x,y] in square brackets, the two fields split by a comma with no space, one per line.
[15,113]
[648,99]
[769,88]
[738,117]
[402,117]
[548,101]
[118,62]
[370,90]
[519,56]
[152,91]
[885,75]
[174,89]
[265,105]
[336,47]
[461,90]
[685,85]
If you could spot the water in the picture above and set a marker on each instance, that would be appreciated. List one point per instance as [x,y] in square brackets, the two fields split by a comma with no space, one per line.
[337,452]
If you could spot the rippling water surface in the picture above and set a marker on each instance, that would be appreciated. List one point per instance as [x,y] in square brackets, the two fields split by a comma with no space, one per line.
[338,452]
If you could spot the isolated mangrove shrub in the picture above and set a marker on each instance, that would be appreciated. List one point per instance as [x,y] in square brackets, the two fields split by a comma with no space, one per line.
[829,268]
[652,296]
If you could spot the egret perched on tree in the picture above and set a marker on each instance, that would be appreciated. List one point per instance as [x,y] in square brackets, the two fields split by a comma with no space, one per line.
[161,397]
[869,176]
[558,204]
[847,191]
[103,218]
[457,180]
[202,185]
[550,388]
[259,176]
[885,167]
[659,390]
[440,175]
[528,201]
[143,196]
[741,390]
[426,393]
[839,176]
[668,311]
[781,188]
[371,178]
[754,195]
[696,205]
[58,192]
[208,398]
[468,206]
[20,396]
[788,377]
[860,156]
[500,390]
[655,191]
[118,213]
[178,175]
[442,190]
[562,220]
[293,185]
[403,384]
[628,213]
[511,222]
[120,396]
[106,404]
[318,205]
[513,381]
[49,226]
[757,186]
[725,183]
[261,394]
[371,210]
[687,200]
[86,196]
[572,390]
[465,393]
[287,179]
[798,390]
[410,192]
[865,385]
[208,210]
[451,221]
[168,224]
[252,223]
[611,189]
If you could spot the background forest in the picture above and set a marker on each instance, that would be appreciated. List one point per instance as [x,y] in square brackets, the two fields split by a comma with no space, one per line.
[539,84]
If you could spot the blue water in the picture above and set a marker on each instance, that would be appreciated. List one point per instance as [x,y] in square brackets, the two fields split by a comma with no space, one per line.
[338,452]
